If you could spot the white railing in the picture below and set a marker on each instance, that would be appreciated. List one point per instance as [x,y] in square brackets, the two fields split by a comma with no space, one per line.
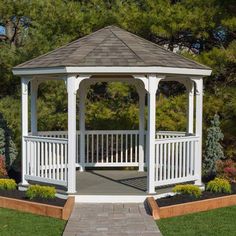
[175,154]
[170,134]
[175,160]
[106,147]
[46,159]
[111,148]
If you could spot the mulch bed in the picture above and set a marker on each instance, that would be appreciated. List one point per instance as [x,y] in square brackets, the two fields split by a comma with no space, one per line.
[16,194]
[180,198]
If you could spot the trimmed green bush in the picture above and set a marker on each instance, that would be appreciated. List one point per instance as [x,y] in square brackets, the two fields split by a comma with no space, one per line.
[45,192]
[7,184]
[188,189]
[219,185]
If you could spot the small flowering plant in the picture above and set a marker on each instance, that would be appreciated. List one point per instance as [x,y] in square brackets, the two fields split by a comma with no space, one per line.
[227,169]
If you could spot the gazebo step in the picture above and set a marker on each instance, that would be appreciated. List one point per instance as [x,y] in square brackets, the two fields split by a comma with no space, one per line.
[115,198]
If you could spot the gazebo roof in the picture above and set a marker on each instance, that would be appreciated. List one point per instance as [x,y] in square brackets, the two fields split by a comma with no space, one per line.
[111,47]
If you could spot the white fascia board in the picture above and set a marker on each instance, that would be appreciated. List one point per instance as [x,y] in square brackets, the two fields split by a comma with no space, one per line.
[138,70]
[39,71]
[113,70]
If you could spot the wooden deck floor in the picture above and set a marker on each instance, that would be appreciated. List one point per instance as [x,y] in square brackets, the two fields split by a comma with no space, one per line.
[113,182]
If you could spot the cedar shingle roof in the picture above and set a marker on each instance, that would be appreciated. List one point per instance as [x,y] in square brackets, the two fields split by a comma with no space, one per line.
[111,46]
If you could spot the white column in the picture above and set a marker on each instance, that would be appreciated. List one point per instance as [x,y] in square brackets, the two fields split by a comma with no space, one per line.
[141,93]
[190,112]
[152,88]
[198,129]
[33,104]
[71,89]
[82,99]
[24,124]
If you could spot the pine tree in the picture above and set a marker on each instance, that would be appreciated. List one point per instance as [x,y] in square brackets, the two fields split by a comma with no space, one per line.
[213,148]
[7,146]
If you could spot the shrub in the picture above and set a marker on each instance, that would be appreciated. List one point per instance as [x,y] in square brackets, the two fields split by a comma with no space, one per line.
[3,171]
[188,189]
[219,185]
[7,184]
[227,170]
[45,192]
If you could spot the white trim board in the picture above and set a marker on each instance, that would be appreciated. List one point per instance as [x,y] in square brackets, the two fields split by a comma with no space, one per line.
[111,70]
[116,198]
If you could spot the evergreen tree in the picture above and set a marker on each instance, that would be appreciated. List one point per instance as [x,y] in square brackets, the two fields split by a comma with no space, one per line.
[7,146]
[213,148]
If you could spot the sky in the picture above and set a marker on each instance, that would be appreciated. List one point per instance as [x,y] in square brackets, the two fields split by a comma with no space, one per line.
[2,30]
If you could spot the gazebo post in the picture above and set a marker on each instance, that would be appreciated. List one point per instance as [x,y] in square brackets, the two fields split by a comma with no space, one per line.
[24,123]
[33,105]
[198,129]
[71,90]
[141,92]
[82,96]
[153,82]
[190,113]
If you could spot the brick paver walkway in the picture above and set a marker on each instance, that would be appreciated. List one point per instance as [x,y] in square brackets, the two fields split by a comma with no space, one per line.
[111,220]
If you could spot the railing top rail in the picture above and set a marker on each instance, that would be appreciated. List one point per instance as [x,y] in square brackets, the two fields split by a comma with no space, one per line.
[46,139]
[52,132]
[91,132]
[181,133]
[111,131]
[177,139]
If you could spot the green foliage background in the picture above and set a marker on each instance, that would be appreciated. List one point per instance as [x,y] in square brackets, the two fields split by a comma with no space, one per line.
[204,31]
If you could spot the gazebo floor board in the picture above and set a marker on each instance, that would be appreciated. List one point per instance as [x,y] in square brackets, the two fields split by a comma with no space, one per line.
[114,182]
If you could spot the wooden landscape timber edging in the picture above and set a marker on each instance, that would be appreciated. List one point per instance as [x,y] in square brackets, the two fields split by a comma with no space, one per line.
[39,208]
[189,207]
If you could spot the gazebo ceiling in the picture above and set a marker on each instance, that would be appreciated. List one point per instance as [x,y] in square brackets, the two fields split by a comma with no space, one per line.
[111,47]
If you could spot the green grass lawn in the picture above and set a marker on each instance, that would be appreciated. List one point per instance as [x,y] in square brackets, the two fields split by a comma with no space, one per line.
[215,222]
[15,223]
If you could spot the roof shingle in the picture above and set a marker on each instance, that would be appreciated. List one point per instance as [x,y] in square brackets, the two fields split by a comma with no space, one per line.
[111,46]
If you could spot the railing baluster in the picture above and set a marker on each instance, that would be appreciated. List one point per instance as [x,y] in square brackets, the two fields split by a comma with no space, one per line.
[180,159]
[38,159]
[97,137]
[184,160]
[172,160]
[168,168]
[66,163]
[46,160]
[87,154]
[62,161]
[121,147]
[50,160]
[188,158]
[107,150]
[102,147]
[126,148]
[116,148]
[92,148]
[176,160]
[131,148]
[161,164]
[112,148]
[164,161]
[192,157]
[136,148]
[57,160]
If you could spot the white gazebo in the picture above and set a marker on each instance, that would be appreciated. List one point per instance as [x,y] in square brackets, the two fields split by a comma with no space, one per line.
[112,54]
